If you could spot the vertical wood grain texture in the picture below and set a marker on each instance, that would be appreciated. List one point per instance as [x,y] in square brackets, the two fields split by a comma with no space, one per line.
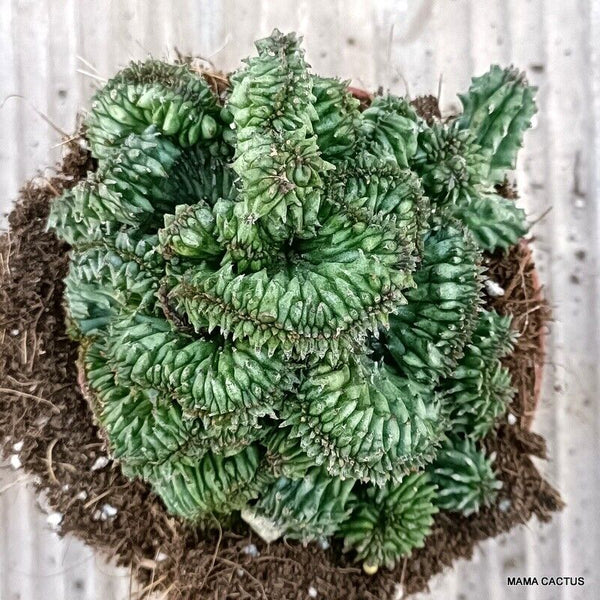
[407,46]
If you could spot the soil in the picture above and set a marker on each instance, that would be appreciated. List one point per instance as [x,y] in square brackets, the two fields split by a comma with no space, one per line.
[41,405]
[428,108]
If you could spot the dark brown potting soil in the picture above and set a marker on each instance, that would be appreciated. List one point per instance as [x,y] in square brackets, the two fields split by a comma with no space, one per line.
[41,405]
[427,107]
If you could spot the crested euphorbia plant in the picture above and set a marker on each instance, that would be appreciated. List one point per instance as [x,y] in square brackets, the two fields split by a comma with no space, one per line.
[278,296]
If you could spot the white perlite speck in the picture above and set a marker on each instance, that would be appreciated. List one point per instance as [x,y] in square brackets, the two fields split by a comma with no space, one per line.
[54,519]
[18,446]
[312,592]
[108,512]
[15,461]
[251,550]
[504,504]
[511,419]
[493,289]
[100,463]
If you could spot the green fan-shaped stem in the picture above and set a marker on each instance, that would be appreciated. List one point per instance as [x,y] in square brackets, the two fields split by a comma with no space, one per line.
[465,478]
[211,488]
[364,422]
[229,386]
[495,222]
[387,523]
[498,109]
[277,156]
[110,277]
[337,117]
[428,333]
[343,283]
[479,390]
[307,509]
[173,98]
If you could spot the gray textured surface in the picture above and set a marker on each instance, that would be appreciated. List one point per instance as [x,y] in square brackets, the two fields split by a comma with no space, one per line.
[403,45]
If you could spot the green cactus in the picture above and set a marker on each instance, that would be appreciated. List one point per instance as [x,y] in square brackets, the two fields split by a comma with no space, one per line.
[427,335]
[278,296]
[171,97]
[451,164]
[494,222]
[337,118]
[498,109]
[464,477]
[479,390]
[308,509]
[387,523]
[363,421]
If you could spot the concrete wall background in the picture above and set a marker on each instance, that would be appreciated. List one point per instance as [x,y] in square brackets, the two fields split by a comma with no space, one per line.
[402,45]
